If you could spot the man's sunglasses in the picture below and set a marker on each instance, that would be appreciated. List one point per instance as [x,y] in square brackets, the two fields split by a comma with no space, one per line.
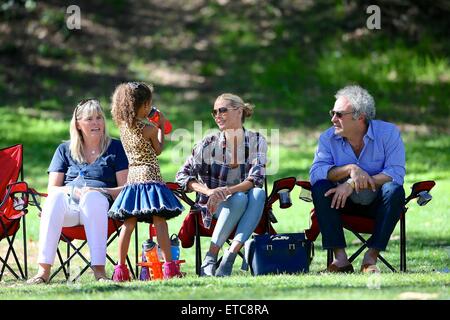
[222,110]
[339,114]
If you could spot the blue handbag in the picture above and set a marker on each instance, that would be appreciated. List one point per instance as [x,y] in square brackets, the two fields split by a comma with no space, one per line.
[279,253]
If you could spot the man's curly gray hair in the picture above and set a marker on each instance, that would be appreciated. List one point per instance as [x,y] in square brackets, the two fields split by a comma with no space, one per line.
[361,100]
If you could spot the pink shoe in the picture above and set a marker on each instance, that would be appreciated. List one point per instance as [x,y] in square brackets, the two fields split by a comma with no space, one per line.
[121,273]
[171,270]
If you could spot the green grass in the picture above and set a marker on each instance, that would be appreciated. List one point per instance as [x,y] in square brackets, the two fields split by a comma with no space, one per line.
[244,287]
[288,58]
[427,229]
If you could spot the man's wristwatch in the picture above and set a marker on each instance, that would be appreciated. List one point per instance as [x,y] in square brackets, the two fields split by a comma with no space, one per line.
[351,183]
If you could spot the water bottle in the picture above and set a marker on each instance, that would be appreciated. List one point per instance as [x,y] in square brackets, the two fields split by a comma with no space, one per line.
[153,116]
[75,191]
[175,247]
[150,249]
[145,273]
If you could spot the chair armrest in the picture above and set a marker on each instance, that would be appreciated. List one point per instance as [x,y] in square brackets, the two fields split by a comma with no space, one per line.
[421,190]
[305,193]
[304,184]
[20,204]
[179,192]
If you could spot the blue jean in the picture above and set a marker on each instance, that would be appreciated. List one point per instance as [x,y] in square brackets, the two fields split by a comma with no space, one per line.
[242,209]
[385,209]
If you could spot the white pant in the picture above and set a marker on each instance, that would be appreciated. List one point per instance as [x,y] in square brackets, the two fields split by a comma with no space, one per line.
[56,214]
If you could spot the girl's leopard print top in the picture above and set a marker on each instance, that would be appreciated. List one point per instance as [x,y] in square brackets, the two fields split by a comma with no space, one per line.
[142,161]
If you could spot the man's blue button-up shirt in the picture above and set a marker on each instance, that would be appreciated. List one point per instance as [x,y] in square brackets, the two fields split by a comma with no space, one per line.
[383,152]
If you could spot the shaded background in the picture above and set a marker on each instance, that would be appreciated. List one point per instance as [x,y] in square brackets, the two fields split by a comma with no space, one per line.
[287,57]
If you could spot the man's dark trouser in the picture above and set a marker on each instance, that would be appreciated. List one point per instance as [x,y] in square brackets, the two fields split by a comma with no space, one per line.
[386,209]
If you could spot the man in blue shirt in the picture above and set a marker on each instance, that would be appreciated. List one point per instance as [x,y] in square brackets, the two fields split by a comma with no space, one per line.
[358,168]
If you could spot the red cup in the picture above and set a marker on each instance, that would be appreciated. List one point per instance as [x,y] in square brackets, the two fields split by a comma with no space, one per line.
[153,116]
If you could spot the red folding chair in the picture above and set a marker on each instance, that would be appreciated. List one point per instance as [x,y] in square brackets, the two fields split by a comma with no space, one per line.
[193,229]
[366,225]
[69,234]
[15,198]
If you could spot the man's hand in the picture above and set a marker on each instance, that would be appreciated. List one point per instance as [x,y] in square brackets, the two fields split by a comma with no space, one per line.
[341,193]
[362,179]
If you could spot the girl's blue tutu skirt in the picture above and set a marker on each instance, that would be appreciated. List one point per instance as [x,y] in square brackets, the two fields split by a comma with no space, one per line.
[145,200]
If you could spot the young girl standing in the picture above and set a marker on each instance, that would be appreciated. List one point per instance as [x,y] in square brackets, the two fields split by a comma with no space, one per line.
[145,197]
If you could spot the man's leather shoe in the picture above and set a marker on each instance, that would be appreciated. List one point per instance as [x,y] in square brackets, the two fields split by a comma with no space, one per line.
[345,269]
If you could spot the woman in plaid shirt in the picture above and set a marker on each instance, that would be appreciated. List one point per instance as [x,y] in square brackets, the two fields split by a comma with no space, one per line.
[227,170]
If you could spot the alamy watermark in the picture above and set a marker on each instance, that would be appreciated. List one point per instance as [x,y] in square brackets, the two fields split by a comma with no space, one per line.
[265,150]
[73,21]
[374,20]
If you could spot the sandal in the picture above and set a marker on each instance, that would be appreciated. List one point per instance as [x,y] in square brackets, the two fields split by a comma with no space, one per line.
[37,280]
[370,268]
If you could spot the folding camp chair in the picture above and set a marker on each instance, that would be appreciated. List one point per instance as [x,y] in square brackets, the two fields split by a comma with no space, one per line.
[69,234]
[15,197]
[366,225]
[193,228]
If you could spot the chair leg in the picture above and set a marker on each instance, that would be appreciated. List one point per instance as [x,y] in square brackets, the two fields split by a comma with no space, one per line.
[5,265]
[386,263]
[363,247]
[136,253]
[68,261]
[77,251]
[16,259]
[358,252]
[10,250]
[329,256]
[403,244]
[25,255]
[5,261]
[198,249]
[61,262]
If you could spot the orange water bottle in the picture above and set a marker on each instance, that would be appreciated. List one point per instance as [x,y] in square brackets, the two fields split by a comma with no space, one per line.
[151,255]
[153,116]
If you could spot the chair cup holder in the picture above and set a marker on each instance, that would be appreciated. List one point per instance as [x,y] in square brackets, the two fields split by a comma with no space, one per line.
[285,199]
[423,198]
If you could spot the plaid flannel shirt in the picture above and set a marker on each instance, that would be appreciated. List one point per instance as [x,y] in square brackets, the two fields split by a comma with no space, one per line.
[209,164]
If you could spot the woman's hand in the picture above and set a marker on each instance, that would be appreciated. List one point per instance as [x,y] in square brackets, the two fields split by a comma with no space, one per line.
[85,190]
[341,193]
[220,193]
[216,196]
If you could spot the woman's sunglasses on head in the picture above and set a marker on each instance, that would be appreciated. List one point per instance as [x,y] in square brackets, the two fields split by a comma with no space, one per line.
[84,101]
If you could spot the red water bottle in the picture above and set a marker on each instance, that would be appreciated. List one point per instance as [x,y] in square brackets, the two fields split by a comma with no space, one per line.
[153,116]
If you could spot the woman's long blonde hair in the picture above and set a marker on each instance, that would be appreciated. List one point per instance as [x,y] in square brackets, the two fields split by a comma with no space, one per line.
[86,108]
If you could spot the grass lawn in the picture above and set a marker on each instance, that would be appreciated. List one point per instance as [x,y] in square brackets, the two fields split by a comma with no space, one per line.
[428,234]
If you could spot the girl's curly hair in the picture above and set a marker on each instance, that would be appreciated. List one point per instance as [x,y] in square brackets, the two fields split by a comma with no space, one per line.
[127,98]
